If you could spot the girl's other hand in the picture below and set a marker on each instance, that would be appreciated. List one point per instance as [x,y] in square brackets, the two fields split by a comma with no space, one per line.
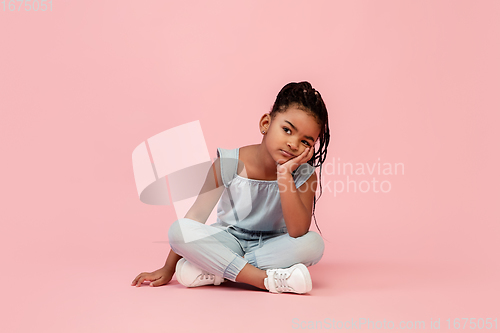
[157,278]
[293,163]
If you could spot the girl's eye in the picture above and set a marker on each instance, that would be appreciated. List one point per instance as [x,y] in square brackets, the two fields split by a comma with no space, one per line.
[307,143]
[286,129]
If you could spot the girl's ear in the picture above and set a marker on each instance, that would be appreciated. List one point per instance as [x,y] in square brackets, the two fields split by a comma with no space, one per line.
[265,122]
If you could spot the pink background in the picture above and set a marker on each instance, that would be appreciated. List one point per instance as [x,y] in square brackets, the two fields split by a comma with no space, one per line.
[412,82]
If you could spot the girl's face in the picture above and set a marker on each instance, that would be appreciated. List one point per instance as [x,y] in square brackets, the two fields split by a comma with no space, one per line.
[290,132]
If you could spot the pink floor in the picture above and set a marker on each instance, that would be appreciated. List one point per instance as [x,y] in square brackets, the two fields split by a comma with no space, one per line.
[96,297]
[76,286]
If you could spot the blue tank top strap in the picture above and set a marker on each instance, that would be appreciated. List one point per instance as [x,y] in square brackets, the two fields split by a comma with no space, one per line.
[228,164]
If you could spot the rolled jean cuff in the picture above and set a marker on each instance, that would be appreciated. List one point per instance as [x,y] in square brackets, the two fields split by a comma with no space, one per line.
[234,268]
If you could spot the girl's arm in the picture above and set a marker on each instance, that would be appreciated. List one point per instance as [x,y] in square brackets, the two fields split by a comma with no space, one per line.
[209,195]
[297,204]
[200,211]
[172,260]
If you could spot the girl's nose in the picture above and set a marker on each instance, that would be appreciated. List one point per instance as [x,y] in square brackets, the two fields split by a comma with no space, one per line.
[292,146]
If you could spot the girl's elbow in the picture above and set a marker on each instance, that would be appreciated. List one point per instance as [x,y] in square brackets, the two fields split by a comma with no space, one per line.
[298,229]
[297,233]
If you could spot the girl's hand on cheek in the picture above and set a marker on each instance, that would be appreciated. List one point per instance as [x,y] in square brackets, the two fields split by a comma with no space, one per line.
[292,164]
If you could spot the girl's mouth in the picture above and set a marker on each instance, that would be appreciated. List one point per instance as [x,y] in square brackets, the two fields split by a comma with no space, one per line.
[287,154]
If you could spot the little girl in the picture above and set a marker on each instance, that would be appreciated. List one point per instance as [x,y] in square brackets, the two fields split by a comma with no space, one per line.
[266,194]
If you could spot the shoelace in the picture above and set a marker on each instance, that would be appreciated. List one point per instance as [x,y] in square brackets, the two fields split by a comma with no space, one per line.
[281,280]
[206,275]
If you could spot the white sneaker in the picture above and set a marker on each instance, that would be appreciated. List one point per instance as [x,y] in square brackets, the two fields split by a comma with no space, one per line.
[190,275]
[294,279]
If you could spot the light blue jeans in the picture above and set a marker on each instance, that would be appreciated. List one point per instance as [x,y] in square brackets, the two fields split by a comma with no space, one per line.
[224,250]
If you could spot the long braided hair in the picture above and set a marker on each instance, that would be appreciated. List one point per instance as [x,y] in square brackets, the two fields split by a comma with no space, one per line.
[304,97]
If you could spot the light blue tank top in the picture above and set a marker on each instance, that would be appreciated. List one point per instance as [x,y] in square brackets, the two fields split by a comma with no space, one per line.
[249,203]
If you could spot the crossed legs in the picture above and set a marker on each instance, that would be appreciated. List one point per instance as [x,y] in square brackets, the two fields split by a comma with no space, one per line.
[221,253]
